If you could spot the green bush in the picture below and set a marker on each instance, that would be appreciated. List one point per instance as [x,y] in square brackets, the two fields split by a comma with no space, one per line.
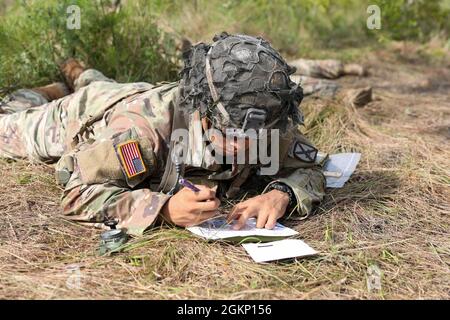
[124,44]
[294,26]
[300,27]
[128,44]
[414,20]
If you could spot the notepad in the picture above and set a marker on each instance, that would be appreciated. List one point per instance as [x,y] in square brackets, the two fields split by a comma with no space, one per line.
[218,228]
[339,168]
[277,250]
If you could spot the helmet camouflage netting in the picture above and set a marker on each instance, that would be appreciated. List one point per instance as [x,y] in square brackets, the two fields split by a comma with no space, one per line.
[244,72]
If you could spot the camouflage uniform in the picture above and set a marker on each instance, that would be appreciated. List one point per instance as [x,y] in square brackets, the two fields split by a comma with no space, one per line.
[314,75]
[317,87]
[327,69]
[83,132]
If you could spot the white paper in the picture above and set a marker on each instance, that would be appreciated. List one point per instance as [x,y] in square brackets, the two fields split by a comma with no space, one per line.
[276,250]
[219,229]
[344,163]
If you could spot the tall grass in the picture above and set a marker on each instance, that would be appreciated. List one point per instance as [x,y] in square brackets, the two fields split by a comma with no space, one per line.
[299,27]
[295,26]
[130,45]
[125,44]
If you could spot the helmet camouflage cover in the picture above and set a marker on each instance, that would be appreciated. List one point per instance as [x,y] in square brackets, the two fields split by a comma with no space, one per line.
[235,74]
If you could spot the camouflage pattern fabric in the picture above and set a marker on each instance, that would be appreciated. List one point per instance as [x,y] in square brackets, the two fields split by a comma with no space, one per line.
[21,100]
[113,115]
[242,71]
[328,69]
[323,88]
[28,130]
[316,87]
[312,75]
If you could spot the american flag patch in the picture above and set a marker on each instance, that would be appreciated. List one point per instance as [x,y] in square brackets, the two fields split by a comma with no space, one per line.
[131,158]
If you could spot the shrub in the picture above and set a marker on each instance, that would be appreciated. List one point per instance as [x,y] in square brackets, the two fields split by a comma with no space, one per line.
[124,44]
[414,19]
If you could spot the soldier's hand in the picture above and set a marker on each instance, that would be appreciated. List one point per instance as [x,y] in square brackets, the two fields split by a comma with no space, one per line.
[267,208]
[188,208]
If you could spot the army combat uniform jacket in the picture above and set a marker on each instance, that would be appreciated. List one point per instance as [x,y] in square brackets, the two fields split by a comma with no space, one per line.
[111,143]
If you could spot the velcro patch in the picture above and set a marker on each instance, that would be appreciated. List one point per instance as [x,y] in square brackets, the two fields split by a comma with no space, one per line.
[131,158]
[303,152]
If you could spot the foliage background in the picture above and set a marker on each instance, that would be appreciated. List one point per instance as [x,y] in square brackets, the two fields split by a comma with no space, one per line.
[136,41]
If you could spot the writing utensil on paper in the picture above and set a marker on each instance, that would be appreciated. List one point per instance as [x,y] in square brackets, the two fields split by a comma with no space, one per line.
[218,228]
[188,185]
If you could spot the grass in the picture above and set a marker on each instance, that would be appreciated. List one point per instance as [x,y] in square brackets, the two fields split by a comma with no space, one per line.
[392,214]
[138,41]
[125,44]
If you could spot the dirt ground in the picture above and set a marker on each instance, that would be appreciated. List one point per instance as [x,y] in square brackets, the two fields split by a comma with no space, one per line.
[392,216]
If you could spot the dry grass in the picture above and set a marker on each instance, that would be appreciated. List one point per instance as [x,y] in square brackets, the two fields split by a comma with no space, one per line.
[393,213]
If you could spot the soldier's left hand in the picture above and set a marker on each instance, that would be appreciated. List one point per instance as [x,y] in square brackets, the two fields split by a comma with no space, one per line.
[267,208]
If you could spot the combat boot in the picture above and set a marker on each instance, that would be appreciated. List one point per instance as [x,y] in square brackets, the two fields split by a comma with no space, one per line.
[53,91]
[355,70]
[71,69]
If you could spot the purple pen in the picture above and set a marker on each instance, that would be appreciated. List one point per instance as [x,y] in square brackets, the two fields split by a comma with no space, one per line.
[188,184]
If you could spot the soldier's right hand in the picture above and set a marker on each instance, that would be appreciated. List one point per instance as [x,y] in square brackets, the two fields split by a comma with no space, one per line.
[188,208]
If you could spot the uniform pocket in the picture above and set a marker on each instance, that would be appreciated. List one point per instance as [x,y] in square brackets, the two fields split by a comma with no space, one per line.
[126,159]
[99,164]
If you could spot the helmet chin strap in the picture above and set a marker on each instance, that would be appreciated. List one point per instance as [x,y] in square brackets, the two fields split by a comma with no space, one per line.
[226,116]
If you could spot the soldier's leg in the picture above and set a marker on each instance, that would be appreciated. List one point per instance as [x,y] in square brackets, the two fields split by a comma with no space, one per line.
[329,89]
[23,99]
[88,76]
[317,87]
[328,69]
[77,76]
[36,133]
[53,91]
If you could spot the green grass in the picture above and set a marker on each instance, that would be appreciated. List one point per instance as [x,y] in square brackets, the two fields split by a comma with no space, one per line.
[137,41]
[126,44]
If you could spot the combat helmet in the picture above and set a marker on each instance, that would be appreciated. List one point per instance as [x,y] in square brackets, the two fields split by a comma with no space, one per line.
[240,81]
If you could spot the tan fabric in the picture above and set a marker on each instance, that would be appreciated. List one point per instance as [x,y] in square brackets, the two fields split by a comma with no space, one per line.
[91,172]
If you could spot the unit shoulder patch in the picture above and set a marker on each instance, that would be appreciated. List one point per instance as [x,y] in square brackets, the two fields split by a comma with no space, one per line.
[131,158]
[303,152]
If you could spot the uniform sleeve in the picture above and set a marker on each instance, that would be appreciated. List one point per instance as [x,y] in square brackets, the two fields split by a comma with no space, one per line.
[99,189]
[136,210]
[301,170]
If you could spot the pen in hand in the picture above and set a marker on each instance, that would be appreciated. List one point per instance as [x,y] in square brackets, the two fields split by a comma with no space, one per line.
[188,185]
